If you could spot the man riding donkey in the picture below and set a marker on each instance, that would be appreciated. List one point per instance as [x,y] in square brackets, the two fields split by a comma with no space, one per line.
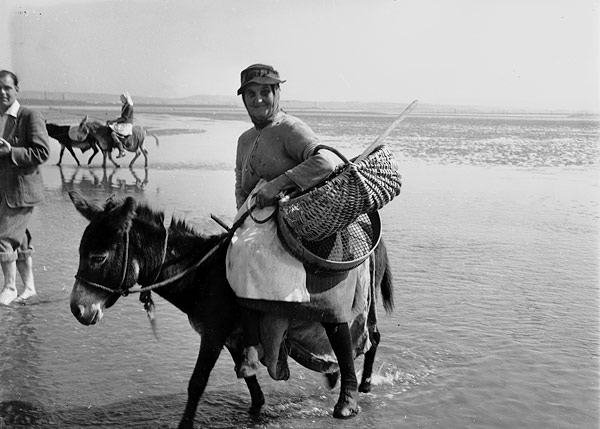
[122,127]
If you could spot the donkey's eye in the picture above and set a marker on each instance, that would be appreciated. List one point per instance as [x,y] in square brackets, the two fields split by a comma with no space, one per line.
[97,259]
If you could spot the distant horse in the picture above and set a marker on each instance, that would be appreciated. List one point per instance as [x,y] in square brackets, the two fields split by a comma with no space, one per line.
[126,244]
[61,134]
[134,143]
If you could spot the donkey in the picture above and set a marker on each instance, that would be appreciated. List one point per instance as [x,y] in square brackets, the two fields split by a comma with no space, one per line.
[134,143]
[126,244]
[60,133]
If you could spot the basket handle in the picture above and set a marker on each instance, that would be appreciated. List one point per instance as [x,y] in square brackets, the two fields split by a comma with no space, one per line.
[251,205]
[332,149]
[382,137]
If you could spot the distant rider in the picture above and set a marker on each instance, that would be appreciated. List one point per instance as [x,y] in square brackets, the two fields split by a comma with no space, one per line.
[122,126]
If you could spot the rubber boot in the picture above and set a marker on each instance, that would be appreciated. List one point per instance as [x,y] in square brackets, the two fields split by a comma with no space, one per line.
[341,343]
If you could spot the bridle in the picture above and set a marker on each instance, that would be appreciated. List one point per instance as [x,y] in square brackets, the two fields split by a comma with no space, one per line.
[136,288]
[121,290]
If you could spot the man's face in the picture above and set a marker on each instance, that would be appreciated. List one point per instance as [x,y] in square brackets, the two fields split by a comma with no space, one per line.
[8,92]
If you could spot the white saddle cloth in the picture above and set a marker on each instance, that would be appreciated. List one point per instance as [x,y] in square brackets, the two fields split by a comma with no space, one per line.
[259,267]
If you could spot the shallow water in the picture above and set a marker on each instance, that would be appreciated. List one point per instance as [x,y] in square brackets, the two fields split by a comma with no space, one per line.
[494,248]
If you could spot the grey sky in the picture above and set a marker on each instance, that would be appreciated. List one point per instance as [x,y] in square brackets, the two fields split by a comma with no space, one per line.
[510,53]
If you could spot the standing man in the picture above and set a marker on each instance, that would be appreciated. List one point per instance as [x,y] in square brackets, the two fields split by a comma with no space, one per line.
[23,147]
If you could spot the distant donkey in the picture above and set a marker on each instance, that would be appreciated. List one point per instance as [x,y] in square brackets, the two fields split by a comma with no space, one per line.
[61,134]
[134,142]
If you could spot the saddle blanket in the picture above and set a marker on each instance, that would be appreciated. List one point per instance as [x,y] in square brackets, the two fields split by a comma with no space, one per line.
[258,266]
[264,276]
[122,128]
[76,134]
[294,300]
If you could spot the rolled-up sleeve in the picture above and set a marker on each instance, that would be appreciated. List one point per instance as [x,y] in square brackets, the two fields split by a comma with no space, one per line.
[240,195]
[312,168]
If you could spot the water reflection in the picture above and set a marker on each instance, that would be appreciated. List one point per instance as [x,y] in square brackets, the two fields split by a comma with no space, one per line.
[110,180]
[19,365]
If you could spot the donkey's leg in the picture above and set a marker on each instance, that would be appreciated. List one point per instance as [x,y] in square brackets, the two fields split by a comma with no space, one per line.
[332,379]
[137,155]
[374,335]
[95,149]
[109,154]
[210,349]
[72,152]
[256,393]
[365,381]
[341,343]
[62,150]
[145,153]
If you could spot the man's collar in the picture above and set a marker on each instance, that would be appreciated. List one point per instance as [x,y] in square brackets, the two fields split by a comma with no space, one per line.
[13,109]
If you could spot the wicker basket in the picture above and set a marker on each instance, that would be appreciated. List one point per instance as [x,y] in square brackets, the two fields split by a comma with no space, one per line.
[342,251]
[351,191]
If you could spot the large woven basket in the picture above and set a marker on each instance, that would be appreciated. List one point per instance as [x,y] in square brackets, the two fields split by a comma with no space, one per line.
[342,251]
[351,191]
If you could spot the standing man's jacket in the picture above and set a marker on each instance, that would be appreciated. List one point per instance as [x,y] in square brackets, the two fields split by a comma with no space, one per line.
[20,178]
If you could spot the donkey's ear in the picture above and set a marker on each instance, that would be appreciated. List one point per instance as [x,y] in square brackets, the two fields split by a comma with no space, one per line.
[122,215]
[87,209]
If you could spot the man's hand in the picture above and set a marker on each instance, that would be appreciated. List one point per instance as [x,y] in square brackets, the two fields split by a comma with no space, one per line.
[5,147]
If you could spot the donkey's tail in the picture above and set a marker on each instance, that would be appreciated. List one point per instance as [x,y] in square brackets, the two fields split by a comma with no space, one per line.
[387,289]
[385,282]
[155,137]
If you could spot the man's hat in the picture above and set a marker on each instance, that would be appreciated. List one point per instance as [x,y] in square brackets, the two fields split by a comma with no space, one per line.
[260,74]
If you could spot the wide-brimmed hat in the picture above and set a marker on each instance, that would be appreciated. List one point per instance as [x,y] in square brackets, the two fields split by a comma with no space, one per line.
[259,73]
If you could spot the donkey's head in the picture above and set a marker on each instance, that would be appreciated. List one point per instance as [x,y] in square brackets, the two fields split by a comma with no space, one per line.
[84,124]
[104,270]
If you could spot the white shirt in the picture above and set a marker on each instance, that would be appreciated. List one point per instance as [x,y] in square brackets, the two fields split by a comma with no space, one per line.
[12,110]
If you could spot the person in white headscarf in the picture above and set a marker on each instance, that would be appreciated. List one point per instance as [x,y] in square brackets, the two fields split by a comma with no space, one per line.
[122,127]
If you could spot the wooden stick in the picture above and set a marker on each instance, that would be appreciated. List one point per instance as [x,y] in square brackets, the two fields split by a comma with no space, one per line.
[220,222]
[382,137]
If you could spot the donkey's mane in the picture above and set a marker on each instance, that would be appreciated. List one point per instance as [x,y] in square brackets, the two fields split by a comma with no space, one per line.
[96,126]
[143,212]
[146,214]
[182,226]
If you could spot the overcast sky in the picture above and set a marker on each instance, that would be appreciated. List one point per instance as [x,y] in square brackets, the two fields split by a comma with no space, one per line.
[507,53]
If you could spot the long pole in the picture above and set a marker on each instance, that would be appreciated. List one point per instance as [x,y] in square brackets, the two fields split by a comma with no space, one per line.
[382,137]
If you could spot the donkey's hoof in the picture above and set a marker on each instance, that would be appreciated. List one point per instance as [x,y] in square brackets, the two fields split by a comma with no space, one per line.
[347,405]
[258,400]
[365,386]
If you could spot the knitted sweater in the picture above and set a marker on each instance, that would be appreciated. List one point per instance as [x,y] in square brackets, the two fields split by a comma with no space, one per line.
[283,147]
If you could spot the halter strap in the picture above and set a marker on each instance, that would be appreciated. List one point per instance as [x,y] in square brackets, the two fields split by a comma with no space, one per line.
[121,290]
[139,288]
